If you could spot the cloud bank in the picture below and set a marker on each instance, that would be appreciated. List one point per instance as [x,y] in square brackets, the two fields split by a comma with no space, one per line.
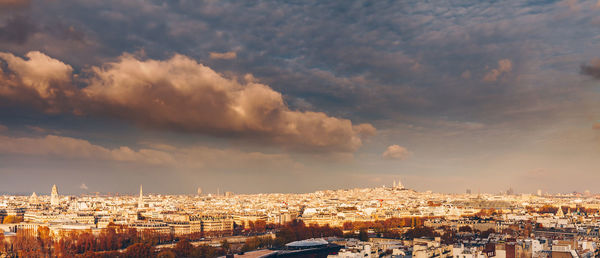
[152,154]
[175,94]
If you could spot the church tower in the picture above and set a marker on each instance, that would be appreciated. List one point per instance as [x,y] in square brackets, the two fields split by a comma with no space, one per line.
[141,199]
[400,185]
[54,196]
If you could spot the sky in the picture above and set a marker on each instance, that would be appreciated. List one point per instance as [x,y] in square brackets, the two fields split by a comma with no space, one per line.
[298,96]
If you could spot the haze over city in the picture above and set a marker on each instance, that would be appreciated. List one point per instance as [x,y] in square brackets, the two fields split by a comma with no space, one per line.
[267,96]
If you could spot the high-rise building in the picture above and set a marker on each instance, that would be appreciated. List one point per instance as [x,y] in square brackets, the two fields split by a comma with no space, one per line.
[54,199]
[199,190]
[468,191]
[141,199]
[539,192]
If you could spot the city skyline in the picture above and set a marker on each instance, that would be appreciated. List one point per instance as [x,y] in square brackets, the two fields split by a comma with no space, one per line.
[254,97]
[222,192]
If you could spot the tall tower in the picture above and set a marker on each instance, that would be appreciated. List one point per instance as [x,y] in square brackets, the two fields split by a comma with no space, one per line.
[394,183]
[141,199]
[199,191]
[54,196]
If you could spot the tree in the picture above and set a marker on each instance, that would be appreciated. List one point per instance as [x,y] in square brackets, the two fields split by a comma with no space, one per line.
[225,245]
[183,248]
[166,254]
[139,250]
[12,219]
[486,233]
[363,235]
[26,245]
[2,242]
[45,240]
[465,229]
[420,232]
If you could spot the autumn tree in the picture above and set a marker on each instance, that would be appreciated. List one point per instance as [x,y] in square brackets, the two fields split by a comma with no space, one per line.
[363,235]
[183,248]
[12,219]
[225,245]
[418,232]
[465,229]
[139,250]
[166,254]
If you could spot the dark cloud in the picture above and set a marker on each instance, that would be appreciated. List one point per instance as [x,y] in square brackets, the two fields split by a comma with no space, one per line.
[592,69]
[360,60]
[17,29]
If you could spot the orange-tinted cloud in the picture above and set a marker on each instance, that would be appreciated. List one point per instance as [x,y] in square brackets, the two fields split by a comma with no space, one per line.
[504,66]
[227,55]
[177,94]
[40,81]
[395,152]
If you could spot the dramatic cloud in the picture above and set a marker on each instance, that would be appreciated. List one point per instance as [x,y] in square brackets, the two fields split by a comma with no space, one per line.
[41,81]
[395,152]
[592,69]
[504,66]
[226,55]
[177,94]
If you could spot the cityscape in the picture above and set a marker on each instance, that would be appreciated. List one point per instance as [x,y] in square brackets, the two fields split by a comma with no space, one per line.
[319,129]
[362,222]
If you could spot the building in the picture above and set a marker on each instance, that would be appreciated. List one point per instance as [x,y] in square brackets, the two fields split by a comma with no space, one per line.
[141,199]
[54,198]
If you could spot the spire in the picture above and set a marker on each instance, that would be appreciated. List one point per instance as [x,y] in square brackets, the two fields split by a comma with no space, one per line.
[141,199]
[399,185]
